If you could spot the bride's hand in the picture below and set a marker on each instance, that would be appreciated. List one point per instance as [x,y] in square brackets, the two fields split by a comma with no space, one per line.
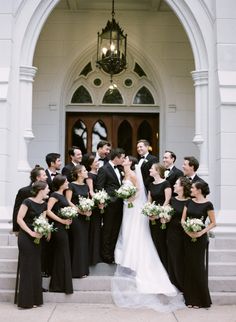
[152,218]
[131,199]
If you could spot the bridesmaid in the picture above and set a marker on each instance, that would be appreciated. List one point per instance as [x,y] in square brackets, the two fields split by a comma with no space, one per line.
[61,276]
[80,225]
[160,192]
[30,288]
[175,234]
[92,165]
[196,292]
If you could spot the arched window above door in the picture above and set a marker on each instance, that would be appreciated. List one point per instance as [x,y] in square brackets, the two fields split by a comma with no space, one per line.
[81,95]
[143,96]
[112,97]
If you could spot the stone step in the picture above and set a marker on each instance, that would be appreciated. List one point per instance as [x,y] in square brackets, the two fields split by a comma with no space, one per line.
[8,240]
[222,269]
[223,298]
[222,255]
[8,265]
[8,252]
[222,283]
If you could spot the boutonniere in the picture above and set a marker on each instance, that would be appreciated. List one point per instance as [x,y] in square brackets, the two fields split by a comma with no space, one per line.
[166,173]
[122,173]
[145,161]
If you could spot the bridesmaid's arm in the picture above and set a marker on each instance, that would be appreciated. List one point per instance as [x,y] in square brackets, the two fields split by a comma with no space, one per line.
[168,193]
[51,203]
[184,215]
[20,220]
[149,196]
[69,197]
[211,215]
[89,182]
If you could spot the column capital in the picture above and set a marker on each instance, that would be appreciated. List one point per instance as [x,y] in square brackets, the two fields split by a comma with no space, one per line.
[27,73]
[200,77]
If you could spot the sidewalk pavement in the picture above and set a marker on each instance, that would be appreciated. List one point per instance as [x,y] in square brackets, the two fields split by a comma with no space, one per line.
[75,312]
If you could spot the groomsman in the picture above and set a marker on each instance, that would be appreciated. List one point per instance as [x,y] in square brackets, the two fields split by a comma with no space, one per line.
[172,173]
[146,160]
[103,151]
[54,165]
[109,178]
[75,155]
[190,168]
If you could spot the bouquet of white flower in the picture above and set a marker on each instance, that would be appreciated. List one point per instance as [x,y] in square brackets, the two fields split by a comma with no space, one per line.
[68,213]
[165,214]
[150,210]
[42,227]
[193,225]
[125,192]
[86,205]
[101,199]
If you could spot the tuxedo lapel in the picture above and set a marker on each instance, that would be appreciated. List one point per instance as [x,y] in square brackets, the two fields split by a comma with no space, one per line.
[112,171]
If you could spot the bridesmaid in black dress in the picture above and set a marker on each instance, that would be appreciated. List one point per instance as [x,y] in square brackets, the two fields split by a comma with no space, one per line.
[160,192]
[80,225]
[92,165]
[61,276]
[175,233]
[196,292]
[30,287]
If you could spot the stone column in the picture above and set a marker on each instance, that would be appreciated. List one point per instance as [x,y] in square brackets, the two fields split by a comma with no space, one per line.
[200,78]
[27,74]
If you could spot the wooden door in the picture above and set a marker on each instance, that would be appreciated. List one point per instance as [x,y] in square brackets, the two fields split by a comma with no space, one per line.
[85,130]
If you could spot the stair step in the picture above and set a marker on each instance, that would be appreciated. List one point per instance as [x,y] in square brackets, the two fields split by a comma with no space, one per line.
[8,252]
[8,266]
[8,240]
[222,283]
[222,255]
[223,298]
[222,269]
[222,243]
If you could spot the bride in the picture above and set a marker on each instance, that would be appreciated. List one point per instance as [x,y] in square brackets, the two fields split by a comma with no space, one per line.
[140,279]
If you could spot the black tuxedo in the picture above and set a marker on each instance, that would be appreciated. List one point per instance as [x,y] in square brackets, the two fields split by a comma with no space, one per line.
[22,194]
[196,178]
[49,180]
[107,180]
[173,176]
[67,171]
[145,167]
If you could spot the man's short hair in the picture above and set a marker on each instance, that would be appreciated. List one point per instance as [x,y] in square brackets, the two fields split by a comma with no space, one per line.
[52,157]
[193,162]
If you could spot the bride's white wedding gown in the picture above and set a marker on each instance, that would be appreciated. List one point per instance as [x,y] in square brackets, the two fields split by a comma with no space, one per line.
[140,279]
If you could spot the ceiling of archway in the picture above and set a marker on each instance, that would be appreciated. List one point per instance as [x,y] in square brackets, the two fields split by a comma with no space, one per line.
[133,5]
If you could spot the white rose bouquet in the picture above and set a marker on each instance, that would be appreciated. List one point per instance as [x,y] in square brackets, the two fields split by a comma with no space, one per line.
[101,199]
[150,210]
[125,192]
[193,225]
[42,226]
[86,205]
[165,214]
[68,213]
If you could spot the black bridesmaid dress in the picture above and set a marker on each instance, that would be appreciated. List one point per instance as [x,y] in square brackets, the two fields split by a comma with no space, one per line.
[79,234]
[159,235]
[196,291]
[175,244]
[30,285]
[61,276]
[95,230]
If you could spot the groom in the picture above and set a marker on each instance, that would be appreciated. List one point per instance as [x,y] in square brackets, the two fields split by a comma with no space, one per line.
[109,178]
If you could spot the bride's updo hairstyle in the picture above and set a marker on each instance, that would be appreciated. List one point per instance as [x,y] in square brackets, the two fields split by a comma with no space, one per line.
[37,186]
[160,169]
[133,160]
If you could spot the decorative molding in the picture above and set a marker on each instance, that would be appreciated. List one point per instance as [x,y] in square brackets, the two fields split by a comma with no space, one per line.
[27,73]
[200,77]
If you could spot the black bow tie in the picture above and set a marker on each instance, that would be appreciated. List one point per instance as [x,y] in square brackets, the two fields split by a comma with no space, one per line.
[190,179]
[167,169]
[54,174]
[100,159]
[143,157]
[115,167]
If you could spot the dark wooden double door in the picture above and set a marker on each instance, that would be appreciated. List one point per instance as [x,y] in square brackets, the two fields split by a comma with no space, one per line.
[123,130]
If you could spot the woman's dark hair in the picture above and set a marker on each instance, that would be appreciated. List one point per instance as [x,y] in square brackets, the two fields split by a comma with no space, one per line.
[38,186]
[35,173]
[186,184]
[58,181]
[76,170]
[160,169]
[133,160]
[88,160]
[203,186]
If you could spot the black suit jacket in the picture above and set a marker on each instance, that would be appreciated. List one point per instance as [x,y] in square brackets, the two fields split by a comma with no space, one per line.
[67,171]
[173,175]
[22,194]
[107,179]
[145,167]
[196,178]
[49,180]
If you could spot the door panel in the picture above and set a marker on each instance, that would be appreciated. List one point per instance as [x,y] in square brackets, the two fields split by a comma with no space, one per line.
[124,129]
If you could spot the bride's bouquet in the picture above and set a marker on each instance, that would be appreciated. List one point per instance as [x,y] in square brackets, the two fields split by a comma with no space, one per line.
[86,205]
[165,214]
[101,199]
[193,225]
[42,226]
[150,210]
[125,192]
[68,213]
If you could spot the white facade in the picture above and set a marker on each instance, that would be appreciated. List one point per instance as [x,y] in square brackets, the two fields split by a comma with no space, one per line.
[188,51]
